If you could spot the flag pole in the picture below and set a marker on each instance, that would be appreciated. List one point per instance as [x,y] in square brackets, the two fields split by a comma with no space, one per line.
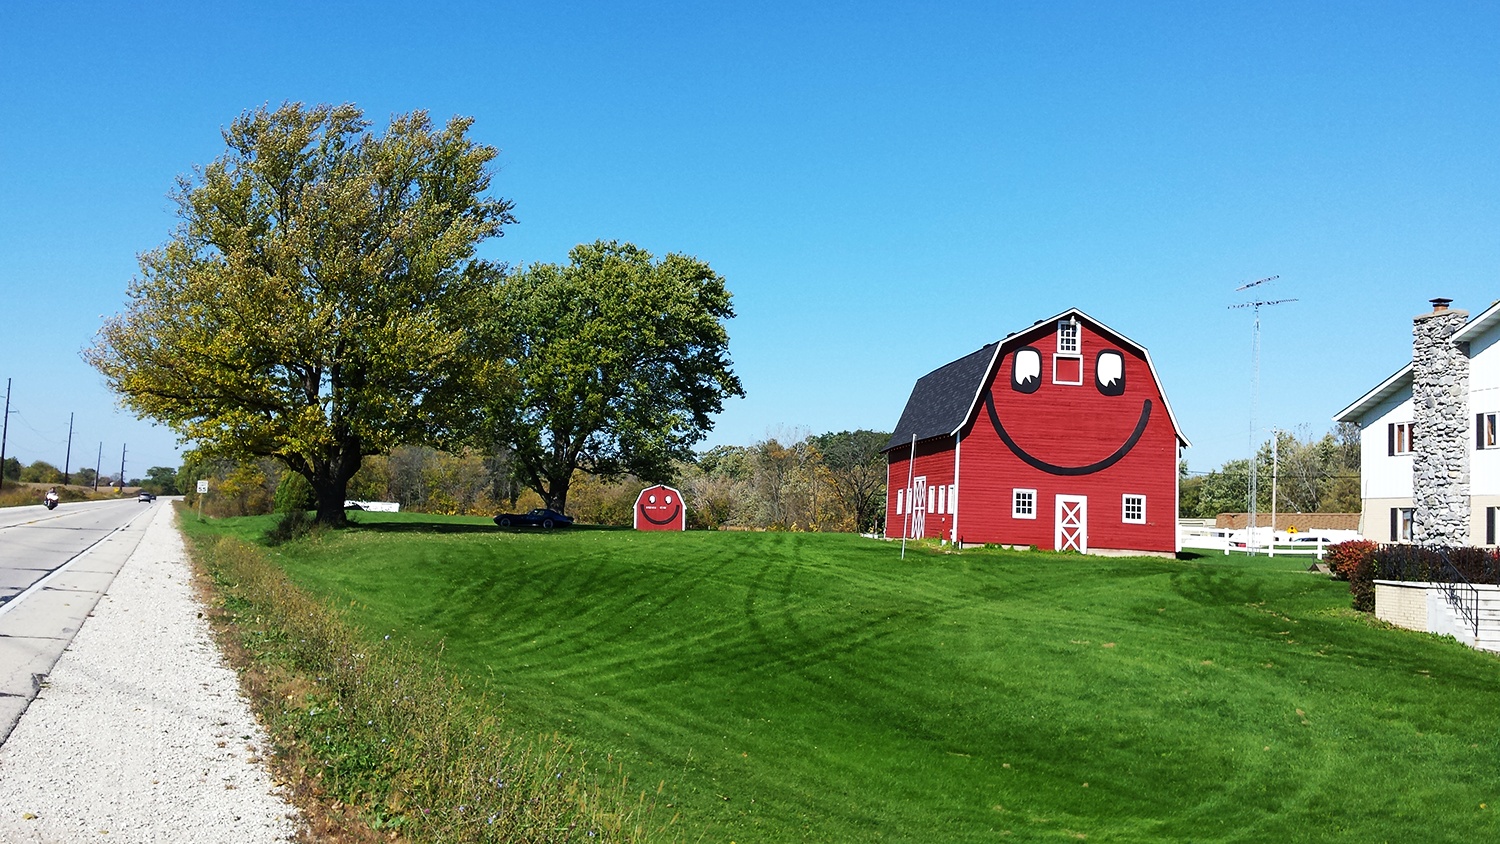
[906,514]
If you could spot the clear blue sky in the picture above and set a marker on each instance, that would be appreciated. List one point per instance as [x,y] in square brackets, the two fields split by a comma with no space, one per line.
[885,186]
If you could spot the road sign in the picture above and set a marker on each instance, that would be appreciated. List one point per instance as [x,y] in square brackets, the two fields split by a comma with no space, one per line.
[203,487]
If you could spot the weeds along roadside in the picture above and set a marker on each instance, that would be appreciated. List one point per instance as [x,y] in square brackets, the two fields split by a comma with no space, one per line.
[383,730]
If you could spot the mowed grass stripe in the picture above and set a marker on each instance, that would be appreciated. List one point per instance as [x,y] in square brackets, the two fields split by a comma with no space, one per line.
[793,687]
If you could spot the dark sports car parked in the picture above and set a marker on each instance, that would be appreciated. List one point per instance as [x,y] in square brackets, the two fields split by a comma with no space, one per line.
[540,517]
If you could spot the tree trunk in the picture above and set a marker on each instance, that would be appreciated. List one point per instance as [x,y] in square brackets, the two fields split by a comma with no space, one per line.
[330,483]
[556,498]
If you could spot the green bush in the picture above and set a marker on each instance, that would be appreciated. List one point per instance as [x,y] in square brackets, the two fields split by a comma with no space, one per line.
[295,524]
[294,493]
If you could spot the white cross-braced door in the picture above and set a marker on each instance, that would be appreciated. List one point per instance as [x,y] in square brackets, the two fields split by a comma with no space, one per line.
[919,507]
[1072,523]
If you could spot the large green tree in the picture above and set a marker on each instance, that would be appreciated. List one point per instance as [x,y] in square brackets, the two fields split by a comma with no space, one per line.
[311,305]
[616,363]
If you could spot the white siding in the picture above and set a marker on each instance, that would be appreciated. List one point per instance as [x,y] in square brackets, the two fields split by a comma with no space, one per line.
[1382,475]
[1484,397]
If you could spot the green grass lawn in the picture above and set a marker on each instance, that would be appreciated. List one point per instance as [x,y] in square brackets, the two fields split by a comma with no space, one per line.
[806,687]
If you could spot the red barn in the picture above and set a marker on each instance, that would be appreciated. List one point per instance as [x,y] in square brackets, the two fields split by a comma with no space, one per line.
[660,507]
[1057,436]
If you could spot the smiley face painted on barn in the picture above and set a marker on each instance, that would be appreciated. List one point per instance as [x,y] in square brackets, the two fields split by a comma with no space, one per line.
[1068,410]
[659,508]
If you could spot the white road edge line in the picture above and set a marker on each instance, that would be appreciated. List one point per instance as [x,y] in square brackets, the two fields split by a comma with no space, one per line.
[41,584]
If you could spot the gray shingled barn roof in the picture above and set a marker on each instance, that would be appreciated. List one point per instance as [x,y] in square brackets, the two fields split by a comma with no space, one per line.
[940,401]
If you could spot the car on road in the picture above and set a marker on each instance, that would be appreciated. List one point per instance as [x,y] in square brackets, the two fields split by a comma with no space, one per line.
[145,497]
[540,517]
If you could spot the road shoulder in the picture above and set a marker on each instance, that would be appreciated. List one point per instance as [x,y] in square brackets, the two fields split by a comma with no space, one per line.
[140,730]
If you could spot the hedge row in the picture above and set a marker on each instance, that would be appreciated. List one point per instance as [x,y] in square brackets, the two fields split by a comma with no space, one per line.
[1362,562]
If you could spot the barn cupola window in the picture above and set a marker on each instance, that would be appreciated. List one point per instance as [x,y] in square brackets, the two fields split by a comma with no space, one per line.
[1067,364]
[1067,337]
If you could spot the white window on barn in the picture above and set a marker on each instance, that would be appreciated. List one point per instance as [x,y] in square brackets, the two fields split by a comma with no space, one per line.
[1067,337]
[1067,364]
[1134,507]
[931,499]
[953,498]
[900,497]
[1023,504]
[942,492]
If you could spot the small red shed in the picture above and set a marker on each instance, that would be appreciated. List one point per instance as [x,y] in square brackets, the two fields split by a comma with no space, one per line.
[660,508]
[1058,436]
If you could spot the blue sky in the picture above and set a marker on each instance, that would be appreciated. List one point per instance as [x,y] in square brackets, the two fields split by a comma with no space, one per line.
[886,187]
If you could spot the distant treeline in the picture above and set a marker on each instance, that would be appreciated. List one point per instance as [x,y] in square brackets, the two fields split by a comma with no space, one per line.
[822,482]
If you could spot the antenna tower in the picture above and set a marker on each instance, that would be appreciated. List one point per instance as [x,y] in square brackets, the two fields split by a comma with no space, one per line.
[1255,306]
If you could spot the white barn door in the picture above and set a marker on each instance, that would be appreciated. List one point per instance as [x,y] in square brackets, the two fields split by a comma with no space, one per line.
[1072,533]
[919,507]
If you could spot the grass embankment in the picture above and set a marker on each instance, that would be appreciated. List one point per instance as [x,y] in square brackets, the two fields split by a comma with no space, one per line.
[803,687]
[392,737]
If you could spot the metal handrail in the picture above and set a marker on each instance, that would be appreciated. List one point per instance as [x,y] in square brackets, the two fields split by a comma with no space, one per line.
[1453,581]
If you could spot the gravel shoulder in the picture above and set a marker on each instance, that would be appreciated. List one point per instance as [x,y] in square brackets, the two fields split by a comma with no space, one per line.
[140,732]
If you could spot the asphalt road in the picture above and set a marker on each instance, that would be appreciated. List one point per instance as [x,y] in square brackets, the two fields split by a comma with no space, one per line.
[54,566]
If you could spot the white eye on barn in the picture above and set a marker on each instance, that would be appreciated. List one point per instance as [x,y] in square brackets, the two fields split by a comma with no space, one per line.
[651,498]
[1109,373]
[1026,370]
[669,499]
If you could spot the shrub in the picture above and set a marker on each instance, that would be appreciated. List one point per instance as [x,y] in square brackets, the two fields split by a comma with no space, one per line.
[1346,557]
[1411,563]
[1354,561]
[293,492]
[294,525]
[1479,565]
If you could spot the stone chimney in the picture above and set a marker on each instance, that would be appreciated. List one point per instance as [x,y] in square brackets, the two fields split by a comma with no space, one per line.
[1440,438]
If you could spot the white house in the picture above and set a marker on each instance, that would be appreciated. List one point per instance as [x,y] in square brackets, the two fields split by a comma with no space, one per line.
[1429,444]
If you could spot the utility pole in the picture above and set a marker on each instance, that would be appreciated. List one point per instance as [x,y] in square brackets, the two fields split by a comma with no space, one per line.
[98,463]
[4,430]
[1255,397]
[122,468]
[1275,466]
[68,460]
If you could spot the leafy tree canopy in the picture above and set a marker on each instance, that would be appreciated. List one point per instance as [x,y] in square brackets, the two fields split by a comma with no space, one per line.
[311,305]
[617,361]
[856,469]
[163,479]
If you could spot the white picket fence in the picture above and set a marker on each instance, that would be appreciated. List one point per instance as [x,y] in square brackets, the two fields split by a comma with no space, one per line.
[1312,543]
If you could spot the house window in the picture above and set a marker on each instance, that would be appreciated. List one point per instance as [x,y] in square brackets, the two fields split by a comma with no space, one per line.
[1023,504]
[1484,431]
[1067,337]
[1398,438]
[1135,509]
[1489,525]
[1401,523]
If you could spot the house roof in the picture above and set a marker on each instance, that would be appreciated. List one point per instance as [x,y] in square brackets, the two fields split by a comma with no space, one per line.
[1391,386]
[944,400]
[1486,320]
[1400,381]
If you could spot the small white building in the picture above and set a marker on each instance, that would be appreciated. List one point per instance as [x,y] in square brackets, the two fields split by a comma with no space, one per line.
[1429,453]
